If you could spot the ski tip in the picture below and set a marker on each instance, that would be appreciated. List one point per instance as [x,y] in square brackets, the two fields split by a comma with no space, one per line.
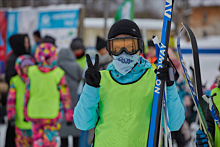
[156,40]
[189,31]
[190,34]
[183,24]
[186,27]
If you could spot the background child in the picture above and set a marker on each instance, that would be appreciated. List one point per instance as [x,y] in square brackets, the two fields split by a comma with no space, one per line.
[45,89]
[15,102]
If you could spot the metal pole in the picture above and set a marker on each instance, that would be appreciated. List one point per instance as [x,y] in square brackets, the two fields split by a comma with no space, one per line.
[106,18]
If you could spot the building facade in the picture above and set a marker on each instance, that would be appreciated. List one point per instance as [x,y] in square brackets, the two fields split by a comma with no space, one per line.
[203,20]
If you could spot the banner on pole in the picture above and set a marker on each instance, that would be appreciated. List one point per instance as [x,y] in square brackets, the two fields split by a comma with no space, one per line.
[125,10]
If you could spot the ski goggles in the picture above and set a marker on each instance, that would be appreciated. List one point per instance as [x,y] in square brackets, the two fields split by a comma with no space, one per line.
[129,45]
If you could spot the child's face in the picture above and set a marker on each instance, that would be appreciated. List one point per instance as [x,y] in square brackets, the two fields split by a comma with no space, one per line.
[25,69]
[78,52]
[152,52]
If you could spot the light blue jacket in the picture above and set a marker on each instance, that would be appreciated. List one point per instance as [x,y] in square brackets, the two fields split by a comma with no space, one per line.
[86,112]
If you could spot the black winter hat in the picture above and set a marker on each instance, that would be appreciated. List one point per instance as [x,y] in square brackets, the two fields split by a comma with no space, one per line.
[77,43]
[49,39]
[150,43]
[17,44]
[37,33]
[124,26]
[100,43]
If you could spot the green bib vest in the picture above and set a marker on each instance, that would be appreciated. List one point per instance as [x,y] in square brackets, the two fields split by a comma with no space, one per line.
[44,94]
[217,103]
[125,111]
[82,62]
[19,104]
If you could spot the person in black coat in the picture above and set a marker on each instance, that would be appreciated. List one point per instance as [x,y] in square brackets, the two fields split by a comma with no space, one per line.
[20,45]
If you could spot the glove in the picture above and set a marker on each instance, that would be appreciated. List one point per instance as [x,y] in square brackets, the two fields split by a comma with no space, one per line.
[69,123]
[92,74]
[201,139]
[166,73]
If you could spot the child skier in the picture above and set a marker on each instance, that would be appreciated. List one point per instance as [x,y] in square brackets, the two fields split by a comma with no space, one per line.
[79,51]
[46,95]
[201,137]
[15,102]
[118,101]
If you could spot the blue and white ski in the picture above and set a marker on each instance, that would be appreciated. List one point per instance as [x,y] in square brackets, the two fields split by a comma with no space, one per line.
[157,46]
[154,128]
[193,92]
[166,118]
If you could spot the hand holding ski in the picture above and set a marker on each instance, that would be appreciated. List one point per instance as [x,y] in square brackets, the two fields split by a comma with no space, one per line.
[213,109]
